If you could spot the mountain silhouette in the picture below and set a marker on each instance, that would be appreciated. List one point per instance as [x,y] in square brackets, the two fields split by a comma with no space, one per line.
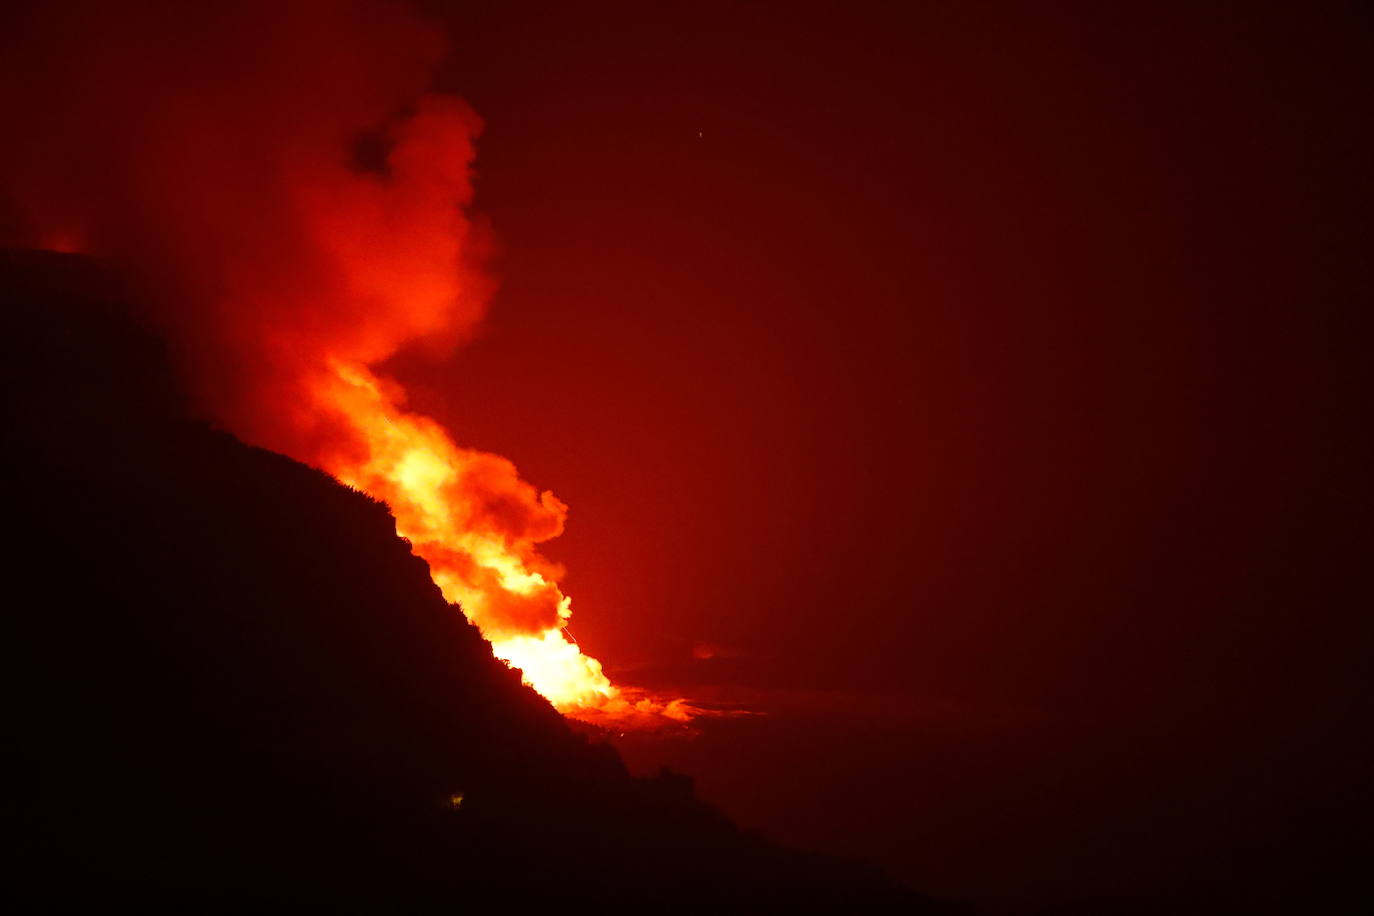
[232,683]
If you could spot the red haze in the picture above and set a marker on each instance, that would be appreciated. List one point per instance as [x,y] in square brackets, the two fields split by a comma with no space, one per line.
[989,380]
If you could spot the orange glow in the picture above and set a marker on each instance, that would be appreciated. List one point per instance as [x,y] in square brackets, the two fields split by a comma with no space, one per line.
[477,524]
[394,250]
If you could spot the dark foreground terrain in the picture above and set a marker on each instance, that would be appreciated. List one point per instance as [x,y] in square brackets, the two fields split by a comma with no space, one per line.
[231,683]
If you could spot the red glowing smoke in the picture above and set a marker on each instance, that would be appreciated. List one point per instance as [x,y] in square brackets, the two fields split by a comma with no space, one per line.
[221,157]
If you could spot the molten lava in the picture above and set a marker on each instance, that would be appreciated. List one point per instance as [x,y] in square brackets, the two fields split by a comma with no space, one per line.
[477,524]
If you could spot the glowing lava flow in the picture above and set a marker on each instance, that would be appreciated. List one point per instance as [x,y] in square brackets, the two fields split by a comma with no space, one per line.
[223,171]
[477,524]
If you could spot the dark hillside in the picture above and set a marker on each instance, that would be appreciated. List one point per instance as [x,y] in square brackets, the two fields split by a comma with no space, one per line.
[230,681]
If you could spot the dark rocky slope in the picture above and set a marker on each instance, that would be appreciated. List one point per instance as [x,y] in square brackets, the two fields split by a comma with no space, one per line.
[232,683]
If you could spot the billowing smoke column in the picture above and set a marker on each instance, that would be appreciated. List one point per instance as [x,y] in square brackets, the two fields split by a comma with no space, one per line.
[215,153]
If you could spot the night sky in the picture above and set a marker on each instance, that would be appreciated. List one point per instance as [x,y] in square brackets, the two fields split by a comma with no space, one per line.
[978,385]
[968,398]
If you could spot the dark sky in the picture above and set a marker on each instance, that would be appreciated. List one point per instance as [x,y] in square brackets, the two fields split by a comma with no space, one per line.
[980,383]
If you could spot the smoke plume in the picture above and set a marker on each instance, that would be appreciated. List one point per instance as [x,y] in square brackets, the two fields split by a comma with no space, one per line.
[292,203]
